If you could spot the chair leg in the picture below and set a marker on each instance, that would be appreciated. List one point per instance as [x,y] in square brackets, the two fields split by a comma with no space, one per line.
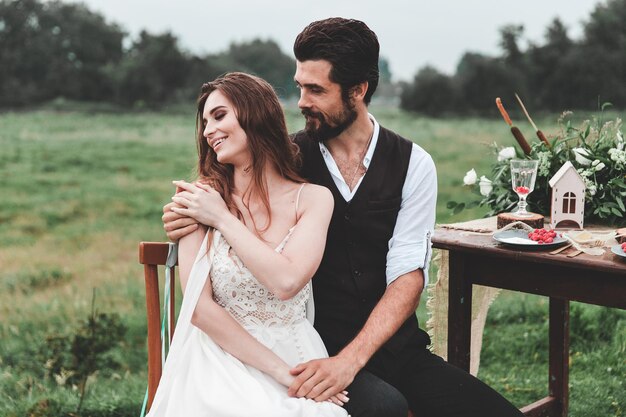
[154,331]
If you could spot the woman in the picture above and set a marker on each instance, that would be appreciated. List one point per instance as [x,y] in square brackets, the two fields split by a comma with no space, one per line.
[241,330]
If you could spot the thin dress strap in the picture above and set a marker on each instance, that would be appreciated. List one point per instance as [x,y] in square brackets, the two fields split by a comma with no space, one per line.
[298,200]
[282,244]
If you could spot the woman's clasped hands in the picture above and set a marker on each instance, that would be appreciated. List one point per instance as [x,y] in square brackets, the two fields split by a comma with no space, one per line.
[201,202]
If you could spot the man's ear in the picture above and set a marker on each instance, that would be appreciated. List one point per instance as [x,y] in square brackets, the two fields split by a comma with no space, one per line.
[359,91]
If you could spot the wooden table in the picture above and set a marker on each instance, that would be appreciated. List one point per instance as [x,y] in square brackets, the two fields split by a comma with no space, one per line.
[480,260]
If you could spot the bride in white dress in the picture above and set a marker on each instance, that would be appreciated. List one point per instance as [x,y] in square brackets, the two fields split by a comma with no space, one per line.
[246,282]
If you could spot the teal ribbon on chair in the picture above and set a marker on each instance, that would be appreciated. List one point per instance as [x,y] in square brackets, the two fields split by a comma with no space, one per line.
[172,258]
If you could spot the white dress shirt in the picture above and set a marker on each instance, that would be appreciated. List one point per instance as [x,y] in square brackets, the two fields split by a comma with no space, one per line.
[409,246]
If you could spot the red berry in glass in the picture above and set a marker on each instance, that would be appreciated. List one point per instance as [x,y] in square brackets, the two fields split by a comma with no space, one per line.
[523,175]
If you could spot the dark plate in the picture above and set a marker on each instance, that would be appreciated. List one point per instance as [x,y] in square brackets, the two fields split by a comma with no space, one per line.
[519,238]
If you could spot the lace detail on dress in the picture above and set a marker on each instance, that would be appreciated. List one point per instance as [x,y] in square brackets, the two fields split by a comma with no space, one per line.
[256,308]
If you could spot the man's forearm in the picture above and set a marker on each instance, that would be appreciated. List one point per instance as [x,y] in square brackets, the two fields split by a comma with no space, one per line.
[399,301]
[320,378]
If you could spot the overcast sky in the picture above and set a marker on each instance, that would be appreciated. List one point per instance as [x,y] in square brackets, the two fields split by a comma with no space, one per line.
[412,33]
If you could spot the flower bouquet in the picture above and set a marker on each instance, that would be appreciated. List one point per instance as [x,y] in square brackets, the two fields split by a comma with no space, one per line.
[596,148]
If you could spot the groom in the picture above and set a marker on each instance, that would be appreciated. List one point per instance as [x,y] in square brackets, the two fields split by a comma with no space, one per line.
[378,248]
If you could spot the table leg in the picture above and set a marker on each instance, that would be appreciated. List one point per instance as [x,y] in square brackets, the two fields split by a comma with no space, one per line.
[459,312]
[559,353]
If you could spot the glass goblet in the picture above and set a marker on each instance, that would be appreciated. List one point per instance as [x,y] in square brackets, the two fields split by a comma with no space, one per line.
[523,176]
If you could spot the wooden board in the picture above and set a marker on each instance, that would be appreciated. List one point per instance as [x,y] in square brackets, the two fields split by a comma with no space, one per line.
[535,221]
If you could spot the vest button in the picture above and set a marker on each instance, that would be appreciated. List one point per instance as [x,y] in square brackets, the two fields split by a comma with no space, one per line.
[347,216]
[357,273]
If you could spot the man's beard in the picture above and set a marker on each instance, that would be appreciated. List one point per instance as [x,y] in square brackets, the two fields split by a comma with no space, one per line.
[331,127]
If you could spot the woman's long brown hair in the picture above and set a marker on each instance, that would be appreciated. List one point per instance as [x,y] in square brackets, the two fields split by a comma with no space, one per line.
[261,117]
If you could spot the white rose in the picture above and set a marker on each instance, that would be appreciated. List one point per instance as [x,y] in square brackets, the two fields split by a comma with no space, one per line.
[470,177]
[485,186]
[592,189]
[506,153]
[598,166]
[580,154]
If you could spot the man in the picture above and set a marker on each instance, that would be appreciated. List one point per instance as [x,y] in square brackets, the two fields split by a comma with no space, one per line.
[378,248]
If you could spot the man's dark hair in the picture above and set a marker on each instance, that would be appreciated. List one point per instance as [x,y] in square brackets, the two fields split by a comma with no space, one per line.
[349,45]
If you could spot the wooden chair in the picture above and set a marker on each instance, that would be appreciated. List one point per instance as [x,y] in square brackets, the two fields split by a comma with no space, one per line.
[151,256]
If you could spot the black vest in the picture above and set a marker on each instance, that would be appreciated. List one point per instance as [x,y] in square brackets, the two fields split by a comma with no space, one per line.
[351,278]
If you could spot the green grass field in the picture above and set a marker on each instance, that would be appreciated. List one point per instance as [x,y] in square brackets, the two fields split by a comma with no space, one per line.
[78,191]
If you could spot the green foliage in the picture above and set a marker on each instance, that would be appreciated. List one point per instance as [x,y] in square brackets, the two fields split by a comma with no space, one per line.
[265,59]
[26,281]
[72,359]
[514,357]
[431,93]
[384,70]
[85,60]
[152,70]
[76,45]
[596,149]
[550,82]
[560,73]
[480,79]
[509,40]
[46,408]
[589,326]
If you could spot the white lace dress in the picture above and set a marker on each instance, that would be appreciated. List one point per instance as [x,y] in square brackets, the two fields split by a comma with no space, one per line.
[201,379]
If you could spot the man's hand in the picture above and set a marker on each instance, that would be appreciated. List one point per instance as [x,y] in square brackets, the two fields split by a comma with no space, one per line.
[200,202]
[176,225]
[322,379]
[286,378]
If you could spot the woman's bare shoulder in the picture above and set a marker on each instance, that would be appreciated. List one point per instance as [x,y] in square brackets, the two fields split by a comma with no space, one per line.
[313,195]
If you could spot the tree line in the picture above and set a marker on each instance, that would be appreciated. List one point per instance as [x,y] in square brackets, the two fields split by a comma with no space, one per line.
[52,49]
[560,73]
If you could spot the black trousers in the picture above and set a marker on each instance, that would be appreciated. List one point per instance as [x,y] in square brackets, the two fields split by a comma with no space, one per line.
[426,384]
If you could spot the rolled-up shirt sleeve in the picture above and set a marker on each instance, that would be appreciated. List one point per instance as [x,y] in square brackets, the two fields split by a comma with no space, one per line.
[410,246]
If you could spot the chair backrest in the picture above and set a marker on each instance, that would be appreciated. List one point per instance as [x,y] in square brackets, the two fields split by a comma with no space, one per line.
[151,256]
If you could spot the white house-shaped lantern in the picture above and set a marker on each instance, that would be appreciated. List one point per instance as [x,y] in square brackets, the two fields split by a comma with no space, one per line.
[568,196]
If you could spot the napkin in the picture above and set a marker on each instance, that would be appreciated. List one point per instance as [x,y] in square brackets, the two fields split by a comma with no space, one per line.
[588,242]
